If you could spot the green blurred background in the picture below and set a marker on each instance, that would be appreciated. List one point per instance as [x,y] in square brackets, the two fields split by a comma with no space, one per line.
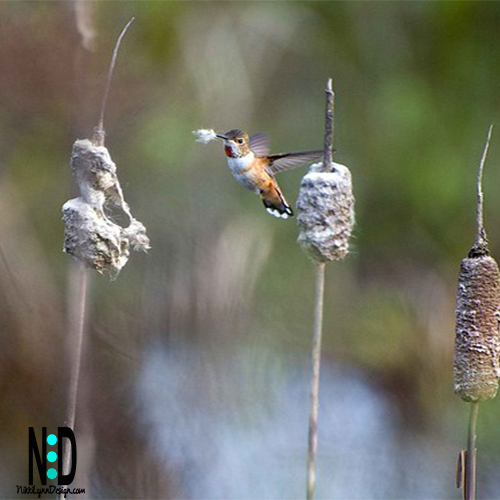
[196,374]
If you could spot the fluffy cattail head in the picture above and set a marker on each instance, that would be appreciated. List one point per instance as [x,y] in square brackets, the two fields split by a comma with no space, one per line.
[477,342]
[89,234]
[325,209]
[93,240]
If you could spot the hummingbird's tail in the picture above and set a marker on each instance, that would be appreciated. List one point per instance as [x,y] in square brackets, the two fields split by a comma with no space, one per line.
[275,203]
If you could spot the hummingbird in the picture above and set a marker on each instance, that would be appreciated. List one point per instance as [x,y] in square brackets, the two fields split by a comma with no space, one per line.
[253,167]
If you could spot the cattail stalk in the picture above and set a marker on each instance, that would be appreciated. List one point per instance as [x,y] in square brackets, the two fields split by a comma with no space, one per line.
[471,456]
[78,307]
[319,293]
[326,217]
[481,238]
[312,440]
[329,126]
[99,132]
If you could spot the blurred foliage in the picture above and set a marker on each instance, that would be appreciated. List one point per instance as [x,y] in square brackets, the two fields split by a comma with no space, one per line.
[416,89]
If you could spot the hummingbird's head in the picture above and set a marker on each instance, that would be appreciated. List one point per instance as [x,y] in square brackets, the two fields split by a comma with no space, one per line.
[236,143]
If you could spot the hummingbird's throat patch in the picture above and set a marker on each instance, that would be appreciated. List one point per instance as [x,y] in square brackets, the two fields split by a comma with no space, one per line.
[229,152]
[237,150]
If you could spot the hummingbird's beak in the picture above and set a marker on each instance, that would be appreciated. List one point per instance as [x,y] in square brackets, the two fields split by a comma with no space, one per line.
[220,136]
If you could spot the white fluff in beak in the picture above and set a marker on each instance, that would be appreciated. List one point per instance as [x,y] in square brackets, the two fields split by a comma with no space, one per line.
[205,135]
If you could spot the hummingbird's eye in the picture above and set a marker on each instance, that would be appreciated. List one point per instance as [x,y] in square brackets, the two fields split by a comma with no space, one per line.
[240,141]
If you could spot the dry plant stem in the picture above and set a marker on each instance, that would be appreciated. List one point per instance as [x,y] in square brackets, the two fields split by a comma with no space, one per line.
[99,132]
[78,304]
[316,360]
[481,238]
[329,125]
[471,466]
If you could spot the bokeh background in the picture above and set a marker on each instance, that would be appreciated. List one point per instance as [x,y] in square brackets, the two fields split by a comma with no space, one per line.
[196,373]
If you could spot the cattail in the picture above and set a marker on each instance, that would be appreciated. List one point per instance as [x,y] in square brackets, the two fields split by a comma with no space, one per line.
[477,343]
[326,212]
[326,217]
[90,235]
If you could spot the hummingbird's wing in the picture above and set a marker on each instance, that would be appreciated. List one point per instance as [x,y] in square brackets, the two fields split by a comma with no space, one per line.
[259,144]
[288,161]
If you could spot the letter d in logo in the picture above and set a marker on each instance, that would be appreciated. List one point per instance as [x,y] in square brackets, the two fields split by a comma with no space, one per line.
[66,432]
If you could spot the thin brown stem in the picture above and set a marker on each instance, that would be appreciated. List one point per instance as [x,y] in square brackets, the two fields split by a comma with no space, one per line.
[316,360]
[481,242]
[471,462]
[78,306]
[99,132]
[329,126]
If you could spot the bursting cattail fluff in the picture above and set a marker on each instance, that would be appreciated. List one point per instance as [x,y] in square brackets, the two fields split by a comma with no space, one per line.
[90,235]
[325,208]
[477,342]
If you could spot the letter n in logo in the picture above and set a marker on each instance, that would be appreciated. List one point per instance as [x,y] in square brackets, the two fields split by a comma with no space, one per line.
[41,461]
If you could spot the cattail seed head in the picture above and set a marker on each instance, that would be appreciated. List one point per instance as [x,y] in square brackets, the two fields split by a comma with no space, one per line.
[93,240]
[477,343]
[325,209]
[89,234]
